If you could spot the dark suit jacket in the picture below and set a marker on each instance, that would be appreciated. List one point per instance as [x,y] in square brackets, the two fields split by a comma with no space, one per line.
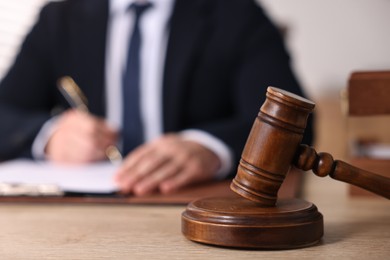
[221,57]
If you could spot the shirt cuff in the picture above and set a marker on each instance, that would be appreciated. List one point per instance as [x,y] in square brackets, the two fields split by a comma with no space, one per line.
[41,140]
[223,152]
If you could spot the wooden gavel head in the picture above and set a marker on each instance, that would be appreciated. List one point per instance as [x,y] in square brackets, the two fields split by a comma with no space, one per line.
[271,146]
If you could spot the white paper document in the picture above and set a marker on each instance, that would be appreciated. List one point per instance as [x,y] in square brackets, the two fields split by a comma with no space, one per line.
[92,178]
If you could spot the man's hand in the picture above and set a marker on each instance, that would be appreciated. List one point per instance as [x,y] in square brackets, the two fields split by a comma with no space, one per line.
[166,164]
[80,138]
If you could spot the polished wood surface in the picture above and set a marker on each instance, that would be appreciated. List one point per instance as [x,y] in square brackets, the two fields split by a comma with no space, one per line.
[357,228]
[241,223]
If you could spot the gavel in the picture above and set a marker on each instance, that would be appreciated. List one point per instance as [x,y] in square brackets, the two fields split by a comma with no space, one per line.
[273,146]
[256,218]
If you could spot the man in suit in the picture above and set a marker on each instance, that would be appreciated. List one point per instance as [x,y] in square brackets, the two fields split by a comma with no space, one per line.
[205,67]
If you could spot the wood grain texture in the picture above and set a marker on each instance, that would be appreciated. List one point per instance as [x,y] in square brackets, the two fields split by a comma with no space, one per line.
[354,229]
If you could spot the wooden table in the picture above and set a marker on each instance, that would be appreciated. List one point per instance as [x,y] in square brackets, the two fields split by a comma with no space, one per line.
[355,228]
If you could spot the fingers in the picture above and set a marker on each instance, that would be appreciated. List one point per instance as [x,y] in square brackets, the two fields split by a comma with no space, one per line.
[188,175]
[154,180]
[94,129]
[166,164]
[145,162]
[80,138]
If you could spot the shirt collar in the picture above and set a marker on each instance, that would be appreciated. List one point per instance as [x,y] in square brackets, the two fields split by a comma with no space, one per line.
[119,6]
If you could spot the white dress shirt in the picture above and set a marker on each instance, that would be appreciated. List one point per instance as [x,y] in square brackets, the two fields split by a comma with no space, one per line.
[154,36]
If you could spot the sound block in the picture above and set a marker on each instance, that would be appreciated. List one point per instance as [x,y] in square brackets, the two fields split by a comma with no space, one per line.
[241,223]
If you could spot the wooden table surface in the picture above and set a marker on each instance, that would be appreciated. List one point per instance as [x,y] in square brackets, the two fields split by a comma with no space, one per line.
[355,228]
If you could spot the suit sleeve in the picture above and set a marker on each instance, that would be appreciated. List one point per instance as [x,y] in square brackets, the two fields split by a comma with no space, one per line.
[26,92]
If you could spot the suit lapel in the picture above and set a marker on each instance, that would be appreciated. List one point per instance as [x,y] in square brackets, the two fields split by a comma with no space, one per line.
[90,27]
[187,33]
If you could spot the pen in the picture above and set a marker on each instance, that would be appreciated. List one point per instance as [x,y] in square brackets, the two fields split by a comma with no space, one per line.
[76,98]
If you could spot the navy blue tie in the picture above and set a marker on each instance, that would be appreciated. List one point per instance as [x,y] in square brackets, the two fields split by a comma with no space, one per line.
[132,123]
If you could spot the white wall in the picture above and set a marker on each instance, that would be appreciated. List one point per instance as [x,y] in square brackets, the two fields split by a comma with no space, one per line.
[327,38]
[16,18]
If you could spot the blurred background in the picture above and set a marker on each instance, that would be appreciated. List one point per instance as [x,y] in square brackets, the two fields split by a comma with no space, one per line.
[328,40]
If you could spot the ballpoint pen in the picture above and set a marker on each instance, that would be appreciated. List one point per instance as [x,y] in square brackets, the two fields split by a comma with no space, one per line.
[75,97]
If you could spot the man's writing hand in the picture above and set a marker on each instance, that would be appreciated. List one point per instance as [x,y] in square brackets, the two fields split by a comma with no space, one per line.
[80,138]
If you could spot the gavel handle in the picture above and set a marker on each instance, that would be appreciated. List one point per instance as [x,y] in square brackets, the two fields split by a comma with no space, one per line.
[323,164]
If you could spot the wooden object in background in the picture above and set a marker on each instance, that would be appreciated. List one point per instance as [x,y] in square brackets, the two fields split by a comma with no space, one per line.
[369,93]
[258,219]
[368,96]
